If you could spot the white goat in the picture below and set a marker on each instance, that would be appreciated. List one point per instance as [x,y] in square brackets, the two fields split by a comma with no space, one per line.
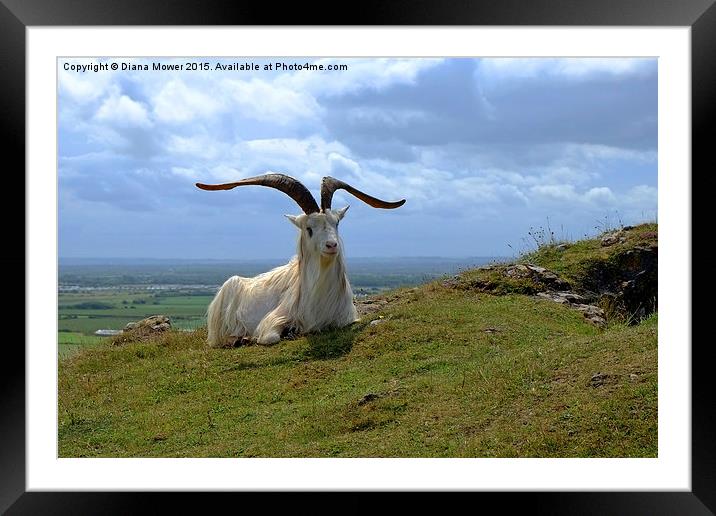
[311,292]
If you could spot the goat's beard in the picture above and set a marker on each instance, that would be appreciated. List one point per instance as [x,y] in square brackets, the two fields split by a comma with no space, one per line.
[328,259]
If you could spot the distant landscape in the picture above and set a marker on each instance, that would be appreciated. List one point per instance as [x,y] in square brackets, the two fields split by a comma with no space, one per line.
[105,294]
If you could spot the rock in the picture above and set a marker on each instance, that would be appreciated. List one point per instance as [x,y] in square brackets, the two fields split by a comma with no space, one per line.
[154,323]
[564,297]
[537,274]
[571,297]
[144,329]
[552,297]
[612,238]
[376,322]
[633,377]
[518,271]
[369,306]
[592,313]
[599,379]
[368,398]
[639,293]
[453,282]
[590,309]
[548,278]
[629,277]
[622,279]
[537,269]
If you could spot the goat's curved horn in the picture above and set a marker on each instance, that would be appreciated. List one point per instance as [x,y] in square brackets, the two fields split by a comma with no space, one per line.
[287,184]
[329,185]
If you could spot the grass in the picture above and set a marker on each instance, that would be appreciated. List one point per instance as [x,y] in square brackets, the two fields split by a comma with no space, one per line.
[448,373]
[448,370]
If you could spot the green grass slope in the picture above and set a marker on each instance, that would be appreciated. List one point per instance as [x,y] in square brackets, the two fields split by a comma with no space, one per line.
[445,372]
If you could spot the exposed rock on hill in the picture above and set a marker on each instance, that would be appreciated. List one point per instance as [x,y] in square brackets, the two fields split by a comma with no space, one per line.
[140,330]
[612,275]
[153,323]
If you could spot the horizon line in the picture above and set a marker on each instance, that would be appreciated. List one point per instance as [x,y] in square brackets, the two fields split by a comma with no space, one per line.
[271,258]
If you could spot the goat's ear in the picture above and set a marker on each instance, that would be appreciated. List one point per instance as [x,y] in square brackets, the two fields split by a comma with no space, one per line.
[295,219]
[342,212]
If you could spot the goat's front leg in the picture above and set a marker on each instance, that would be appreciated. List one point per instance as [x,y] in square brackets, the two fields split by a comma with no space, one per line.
[269,329]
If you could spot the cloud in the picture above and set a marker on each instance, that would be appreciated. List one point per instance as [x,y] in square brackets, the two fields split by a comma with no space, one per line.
[196,145]
[372,74]
[459,103]
[601,195]
[120,110]
[506,68]
[265,101]
[187,173]
[643,194]
[560,192]
[178,103]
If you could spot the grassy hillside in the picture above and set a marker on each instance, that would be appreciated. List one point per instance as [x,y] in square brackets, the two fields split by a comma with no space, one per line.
[450,369]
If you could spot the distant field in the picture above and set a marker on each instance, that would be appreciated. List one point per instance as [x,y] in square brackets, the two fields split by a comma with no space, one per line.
[123,307]
[362,272]
[96,295]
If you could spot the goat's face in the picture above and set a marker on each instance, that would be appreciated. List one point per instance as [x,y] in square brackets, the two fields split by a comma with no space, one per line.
[319,232]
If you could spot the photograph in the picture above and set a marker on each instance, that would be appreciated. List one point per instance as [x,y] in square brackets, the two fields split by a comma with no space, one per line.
[357,257]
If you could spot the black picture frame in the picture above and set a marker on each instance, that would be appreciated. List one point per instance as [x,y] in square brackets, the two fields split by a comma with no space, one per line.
[17,15]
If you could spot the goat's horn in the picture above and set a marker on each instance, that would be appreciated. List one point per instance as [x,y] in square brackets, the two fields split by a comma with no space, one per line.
[330,185]
[287,184]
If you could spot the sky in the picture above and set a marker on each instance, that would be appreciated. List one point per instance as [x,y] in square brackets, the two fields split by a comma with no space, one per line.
[487,152]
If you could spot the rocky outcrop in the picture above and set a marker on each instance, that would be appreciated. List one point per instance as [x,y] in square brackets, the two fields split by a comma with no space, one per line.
[154,323]
[614,275]
[144,329]
[592,313]
[520,278]
[539,275]
[531,279]
[627,281]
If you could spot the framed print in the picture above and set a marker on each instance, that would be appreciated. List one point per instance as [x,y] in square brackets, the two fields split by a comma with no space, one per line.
[526,356]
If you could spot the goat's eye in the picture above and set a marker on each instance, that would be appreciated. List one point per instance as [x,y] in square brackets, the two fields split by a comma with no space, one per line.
[310,232]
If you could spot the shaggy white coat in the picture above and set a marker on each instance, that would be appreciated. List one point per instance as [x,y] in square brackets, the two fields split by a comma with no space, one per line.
[308,294]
